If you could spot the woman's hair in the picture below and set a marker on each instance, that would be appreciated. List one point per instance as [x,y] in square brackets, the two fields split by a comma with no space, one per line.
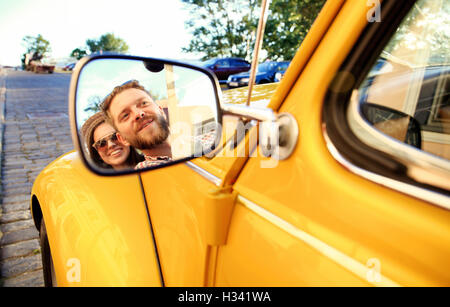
[87,130]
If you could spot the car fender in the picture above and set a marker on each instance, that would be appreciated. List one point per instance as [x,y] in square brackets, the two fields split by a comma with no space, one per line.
[98,227]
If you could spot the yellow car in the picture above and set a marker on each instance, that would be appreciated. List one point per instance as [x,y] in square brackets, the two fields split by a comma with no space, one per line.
[341,176]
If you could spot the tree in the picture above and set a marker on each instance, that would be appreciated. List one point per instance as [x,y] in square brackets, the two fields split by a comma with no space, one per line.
[78,53]
[227,28]
[37,46]
[94,103]
[287,25]
[222,28]
[107,42]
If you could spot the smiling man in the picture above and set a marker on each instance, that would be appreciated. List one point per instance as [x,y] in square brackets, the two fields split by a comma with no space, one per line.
[140,122]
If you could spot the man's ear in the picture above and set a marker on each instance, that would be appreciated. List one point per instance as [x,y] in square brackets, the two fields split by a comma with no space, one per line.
[122,139]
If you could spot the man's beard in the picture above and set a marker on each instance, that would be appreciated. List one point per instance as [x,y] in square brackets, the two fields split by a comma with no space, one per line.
[140,142]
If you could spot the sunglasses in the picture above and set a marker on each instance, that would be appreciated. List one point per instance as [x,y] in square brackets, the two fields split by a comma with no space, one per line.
[100,144]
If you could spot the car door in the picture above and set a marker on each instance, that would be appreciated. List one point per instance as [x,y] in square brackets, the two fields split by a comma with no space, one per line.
[326,215]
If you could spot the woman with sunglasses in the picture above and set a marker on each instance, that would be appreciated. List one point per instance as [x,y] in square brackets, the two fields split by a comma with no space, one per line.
[104,147]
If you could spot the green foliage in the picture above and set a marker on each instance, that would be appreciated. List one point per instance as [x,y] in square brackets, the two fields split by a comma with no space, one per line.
[227,28]
[78,53]
[287,25]
[38,46]
[222,28]
[107,42]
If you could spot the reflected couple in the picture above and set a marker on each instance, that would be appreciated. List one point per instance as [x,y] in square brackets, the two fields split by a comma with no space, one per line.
[140,122]
[130,119]
[134,123]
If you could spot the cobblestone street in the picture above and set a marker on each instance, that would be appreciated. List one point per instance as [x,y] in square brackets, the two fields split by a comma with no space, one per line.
[36,131]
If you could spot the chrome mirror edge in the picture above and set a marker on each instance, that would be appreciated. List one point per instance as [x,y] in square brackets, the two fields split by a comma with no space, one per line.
[74,120]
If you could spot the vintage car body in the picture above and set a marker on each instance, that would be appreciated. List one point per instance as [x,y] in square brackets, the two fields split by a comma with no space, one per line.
[92,227]
[227,221]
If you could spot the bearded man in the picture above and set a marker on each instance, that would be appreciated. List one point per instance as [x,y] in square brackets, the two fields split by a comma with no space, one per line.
[139,121]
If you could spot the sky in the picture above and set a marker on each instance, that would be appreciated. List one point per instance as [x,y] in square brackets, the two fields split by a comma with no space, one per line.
[152,28]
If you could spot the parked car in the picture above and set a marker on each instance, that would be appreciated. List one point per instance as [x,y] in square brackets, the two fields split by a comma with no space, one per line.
[69,67]
[324,182]
[224,67]
[265,74]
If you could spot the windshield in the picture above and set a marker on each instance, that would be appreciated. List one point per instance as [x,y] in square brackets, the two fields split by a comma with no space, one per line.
[209,62]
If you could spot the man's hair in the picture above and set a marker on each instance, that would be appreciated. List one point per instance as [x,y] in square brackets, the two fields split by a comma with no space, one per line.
[116,91]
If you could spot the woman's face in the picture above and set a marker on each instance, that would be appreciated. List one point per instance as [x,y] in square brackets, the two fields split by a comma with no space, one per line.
[113,152]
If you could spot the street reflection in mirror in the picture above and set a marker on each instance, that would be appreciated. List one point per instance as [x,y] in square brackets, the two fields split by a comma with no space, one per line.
[133,114]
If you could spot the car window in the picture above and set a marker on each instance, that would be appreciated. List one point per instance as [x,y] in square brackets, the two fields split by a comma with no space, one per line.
[265,67]
[238,63]
[245,64]
[209,62]
[405,96]
[222,64]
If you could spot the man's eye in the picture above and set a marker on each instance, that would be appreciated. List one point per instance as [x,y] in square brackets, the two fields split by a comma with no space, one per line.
[124,116]
[144,103]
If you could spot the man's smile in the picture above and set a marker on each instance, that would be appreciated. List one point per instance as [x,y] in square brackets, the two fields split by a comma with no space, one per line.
[145,123]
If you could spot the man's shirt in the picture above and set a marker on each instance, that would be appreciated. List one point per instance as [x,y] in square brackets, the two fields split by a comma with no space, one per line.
[203,143]
[152,161]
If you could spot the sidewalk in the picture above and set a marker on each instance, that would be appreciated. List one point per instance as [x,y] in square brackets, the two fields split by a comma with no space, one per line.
[35,131]
[20,261]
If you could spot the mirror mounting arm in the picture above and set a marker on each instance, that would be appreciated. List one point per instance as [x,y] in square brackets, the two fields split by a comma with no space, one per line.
[279,132]
[252,113]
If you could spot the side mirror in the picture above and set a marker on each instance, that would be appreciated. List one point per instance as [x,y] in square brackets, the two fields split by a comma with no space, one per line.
[394,123]
[130,113]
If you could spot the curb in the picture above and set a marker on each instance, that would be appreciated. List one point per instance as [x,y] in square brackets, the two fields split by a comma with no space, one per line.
[2,128]
[3,75]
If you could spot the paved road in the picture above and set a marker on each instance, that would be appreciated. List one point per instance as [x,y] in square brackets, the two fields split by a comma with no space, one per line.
[36,131]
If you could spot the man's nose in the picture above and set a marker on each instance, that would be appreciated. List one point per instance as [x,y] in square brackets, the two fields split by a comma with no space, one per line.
[138,114]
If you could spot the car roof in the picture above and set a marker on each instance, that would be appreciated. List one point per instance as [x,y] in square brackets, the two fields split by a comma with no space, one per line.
[228,58]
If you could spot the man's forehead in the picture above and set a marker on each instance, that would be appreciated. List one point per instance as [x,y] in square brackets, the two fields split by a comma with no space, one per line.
[128,97]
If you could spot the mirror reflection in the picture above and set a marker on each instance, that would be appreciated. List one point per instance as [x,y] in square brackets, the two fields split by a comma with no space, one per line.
[135,114]
[396,124]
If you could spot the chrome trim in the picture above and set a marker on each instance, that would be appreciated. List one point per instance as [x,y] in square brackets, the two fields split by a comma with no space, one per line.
[256,113]
[430,196]
[210,177]
[354,266]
